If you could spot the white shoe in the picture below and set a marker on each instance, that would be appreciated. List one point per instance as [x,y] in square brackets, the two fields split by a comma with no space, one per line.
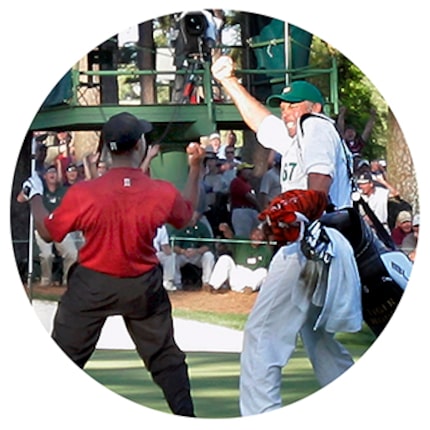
[168,286]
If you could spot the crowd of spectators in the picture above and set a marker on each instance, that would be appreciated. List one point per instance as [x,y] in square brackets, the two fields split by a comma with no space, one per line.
[225,224]
[394,213]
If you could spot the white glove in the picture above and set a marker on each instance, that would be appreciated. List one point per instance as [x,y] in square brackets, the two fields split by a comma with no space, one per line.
[32,186]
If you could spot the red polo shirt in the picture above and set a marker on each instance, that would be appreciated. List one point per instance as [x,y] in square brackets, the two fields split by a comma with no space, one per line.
[118,214]
[239,188]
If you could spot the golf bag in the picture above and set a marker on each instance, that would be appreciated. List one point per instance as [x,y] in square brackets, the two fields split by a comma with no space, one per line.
[384,271]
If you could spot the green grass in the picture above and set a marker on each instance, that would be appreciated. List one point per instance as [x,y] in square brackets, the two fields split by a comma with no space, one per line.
[214,376]
[214,380]
[50,297]
[234,321]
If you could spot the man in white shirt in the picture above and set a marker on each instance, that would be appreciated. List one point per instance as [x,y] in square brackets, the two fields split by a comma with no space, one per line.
[314,157]
[166,256]
[376,198]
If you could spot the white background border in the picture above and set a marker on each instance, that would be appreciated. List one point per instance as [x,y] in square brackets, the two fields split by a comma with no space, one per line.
[40,387]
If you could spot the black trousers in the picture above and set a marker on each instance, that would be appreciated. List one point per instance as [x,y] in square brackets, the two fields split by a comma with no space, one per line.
[143,303]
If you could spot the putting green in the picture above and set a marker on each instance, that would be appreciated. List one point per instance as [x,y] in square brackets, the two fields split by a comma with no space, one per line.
[214,377]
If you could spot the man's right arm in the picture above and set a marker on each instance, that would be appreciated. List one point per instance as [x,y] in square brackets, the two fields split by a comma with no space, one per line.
[252,111]
[185,203]
[192,187]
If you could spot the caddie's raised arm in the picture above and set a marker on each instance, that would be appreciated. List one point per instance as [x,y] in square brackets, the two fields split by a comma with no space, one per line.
[253,111]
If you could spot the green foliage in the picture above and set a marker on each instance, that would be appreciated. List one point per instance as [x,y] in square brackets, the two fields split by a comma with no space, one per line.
[356,92]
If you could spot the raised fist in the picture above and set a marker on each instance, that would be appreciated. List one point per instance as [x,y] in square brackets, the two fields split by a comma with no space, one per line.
[223,68]
[195,153]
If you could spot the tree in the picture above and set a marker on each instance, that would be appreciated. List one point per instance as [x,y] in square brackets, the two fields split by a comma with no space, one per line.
[146,61]
[401,171]
[356,92]
[359,95]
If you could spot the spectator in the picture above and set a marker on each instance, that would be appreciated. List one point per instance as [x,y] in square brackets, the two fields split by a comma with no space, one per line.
[63,142]
[353,139]
[230,143]
[245,268]
[229,167]
[379,177]
[215,142]
[94,166]
[216,193]
[166,256]
[402,228]
[375,197]
[360,165]
[202,208]
[244,204]
[213,179]
[378,172]
[102,167]
[193,252]
[72,175]
[53,194]
[90,165]
[41,152]
[270,185]
[153,151]
[410,241]
[396,204]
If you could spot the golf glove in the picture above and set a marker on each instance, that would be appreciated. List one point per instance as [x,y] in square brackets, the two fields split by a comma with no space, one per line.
[32,186]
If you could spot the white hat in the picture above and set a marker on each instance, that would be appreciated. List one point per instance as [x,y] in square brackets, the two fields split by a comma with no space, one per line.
[404,216]
[416,220]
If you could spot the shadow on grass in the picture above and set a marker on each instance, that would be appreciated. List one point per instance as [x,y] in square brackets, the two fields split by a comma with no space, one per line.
[214,377]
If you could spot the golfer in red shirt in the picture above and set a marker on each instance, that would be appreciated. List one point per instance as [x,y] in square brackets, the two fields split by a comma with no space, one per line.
[117,272]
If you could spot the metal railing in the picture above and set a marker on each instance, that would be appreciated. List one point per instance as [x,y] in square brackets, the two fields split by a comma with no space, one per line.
[205,80]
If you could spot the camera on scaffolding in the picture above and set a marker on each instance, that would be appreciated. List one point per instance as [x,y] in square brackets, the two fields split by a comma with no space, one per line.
[196,36]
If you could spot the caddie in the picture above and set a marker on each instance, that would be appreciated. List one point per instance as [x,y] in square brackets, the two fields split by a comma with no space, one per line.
[314,158]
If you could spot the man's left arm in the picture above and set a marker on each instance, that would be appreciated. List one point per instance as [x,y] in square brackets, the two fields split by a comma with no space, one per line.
[320,143]
[32,192]
[319,182]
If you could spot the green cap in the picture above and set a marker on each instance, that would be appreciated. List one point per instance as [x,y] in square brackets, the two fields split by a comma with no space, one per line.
[244,165]
[297,92]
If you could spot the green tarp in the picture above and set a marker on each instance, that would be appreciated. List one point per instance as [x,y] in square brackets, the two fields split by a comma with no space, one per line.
[61,93]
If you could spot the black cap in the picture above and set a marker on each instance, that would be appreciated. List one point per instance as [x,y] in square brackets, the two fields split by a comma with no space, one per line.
[50,167]
[122,131]
[364,178]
